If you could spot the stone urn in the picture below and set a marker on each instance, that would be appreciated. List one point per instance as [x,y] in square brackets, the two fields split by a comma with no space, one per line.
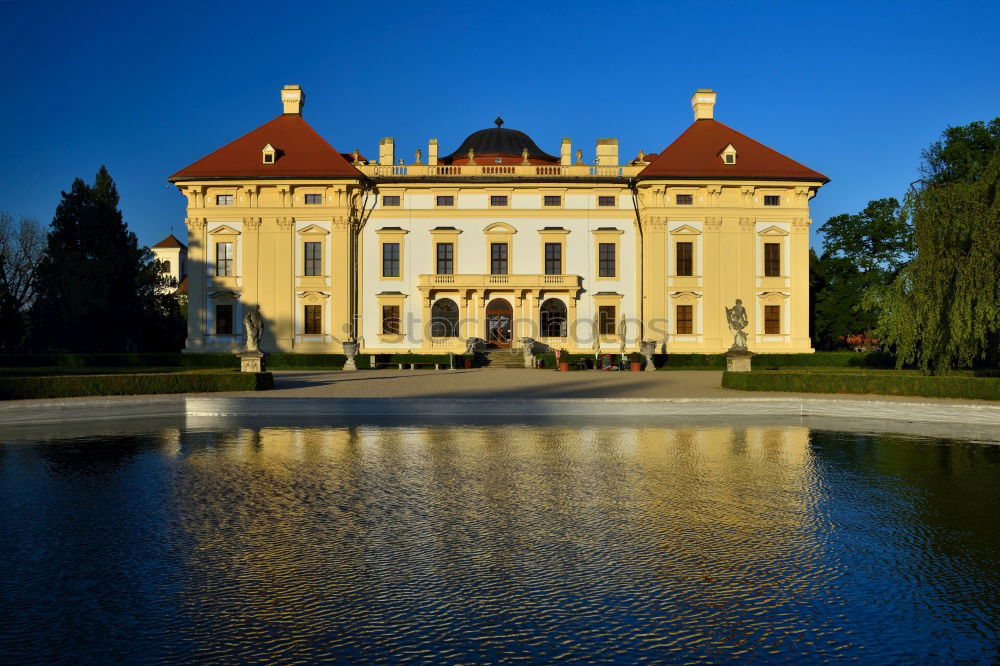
[350,350]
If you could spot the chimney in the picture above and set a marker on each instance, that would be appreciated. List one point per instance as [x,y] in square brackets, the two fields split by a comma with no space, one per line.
[566,152]
[607,152]
[432,152]
[387,151]
[703,103]
[292,98]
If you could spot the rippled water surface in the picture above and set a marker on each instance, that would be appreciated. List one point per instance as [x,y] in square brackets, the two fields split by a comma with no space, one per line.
[499,544]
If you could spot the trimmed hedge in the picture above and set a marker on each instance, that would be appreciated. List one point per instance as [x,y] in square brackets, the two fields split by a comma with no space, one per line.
[165,360]
[876,383]
[824,360]
[14,388]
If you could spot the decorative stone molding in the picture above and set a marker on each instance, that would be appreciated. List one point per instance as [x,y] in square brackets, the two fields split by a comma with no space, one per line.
[339,223]
[772,297]
[712,223]
[251,223]
[714,192]
[747,223]
[654,223]
[801,223]
[313,297]
[196,224]
[285,223]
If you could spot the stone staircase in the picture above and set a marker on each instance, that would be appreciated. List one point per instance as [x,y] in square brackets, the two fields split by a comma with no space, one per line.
[501,358]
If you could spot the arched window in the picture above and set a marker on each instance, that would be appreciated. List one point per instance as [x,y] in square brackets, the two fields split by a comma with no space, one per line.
[444,319]
[165,266]
[553,319]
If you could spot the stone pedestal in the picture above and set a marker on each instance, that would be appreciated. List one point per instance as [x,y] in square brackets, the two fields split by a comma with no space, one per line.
[351,350]
[252,361]
[738,361]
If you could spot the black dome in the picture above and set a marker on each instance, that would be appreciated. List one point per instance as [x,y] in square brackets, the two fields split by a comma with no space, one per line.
[498,140]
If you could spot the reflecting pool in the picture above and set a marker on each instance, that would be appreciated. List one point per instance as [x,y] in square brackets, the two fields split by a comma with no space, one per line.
[499,543]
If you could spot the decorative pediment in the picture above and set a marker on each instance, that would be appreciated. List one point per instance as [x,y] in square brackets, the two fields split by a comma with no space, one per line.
[685,297]
[224,295]
[313,297]
[772,297]
[268,154]
[685,229]
[313,229]
[773,230]
[499,228]
[224,229]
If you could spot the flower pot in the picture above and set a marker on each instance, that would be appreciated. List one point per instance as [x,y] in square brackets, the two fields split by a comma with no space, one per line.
[564,367]
[467,363]
[636,367]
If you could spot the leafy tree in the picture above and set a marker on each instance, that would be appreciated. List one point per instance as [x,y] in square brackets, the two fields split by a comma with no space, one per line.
[860,252]
[20,245]
[96,289]
[943,310]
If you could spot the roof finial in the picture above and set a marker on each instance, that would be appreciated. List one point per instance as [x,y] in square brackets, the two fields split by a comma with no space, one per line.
[499,121]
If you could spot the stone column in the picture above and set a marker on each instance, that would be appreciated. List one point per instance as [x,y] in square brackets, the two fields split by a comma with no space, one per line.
[798,304]
[198,268]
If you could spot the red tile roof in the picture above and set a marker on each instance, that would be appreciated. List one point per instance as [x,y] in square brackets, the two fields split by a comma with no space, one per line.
[182,288]
[697,153]
[170,242]
[301,153]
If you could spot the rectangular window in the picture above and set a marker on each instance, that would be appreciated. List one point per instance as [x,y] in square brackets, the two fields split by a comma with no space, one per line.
[223,319]
[498,200]
[223,199]
[552,200]
[606,260]
[498,258]
[445,258]
[390,259]
[685,320]
[606,319]
[223,259]
[685,258]
[684,199]
[390,320]
[313,258]
[314,199]
[772,200]
[606,201]
[553,258]
[314,321]
[772,319]
[446,200]
[390,200]
[772,259]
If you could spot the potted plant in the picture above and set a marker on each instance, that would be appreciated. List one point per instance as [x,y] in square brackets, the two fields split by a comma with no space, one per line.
[635,359]
[564,359]
[467,361]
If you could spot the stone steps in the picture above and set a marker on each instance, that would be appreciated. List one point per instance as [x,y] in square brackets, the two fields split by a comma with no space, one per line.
[503,359]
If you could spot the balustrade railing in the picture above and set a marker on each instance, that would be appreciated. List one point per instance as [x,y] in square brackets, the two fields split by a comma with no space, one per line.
[481,280]
[499,170]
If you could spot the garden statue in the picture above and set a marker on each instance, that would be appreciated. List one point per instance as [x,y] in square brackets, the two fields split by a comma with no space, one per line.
[736,317]
[251,357]
[472,344]
[647,348]
[528,350]
[253,327]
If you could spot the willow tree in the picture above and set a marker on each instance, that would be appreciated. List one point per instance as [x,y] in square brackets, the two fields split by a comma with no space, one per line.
[943,309]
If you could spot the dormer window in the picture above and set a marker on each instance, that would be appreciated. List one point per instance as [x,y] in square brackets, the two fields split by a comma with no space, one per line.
[729,155]
[268,153]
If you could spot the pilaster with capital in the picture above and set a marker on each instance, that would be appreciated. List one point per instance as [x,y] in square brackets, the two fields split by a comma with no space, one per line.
[654,269]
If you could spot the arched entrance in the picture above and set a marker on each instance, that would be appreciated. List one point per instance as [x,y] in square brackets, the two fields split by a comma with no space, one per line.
[499,319]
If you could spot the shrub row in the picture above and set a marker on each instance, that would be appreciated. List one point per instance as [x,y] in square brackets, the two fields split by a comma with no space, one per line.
[120,360]
[887,383]
[846,359]
[13,388]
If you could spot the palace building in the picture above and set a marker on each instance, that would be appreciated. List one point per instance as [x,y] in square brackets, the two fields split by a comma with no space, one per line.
[497,240]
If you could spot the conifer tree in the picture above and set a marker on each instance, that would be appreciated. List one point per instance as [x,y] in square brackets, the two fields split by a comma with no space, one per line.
[95,287]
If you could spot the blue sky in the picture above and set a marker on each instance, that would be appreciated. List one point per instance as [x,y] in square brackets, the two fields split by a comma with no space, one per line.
[854,90]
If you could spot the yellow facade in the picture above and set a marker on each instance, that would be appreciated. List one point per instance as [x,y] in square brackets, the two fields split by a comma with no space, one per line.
[662,255]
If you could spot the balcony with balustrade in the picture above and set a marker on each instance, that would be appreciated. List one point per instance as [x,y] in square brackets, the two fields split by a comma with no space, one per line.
[502,171]
[482,283]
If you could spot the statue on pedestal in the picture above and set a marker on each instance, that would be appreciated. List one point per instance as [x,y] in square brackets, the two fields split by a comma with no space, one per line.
[252,358]
[647,348]
[736,317]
